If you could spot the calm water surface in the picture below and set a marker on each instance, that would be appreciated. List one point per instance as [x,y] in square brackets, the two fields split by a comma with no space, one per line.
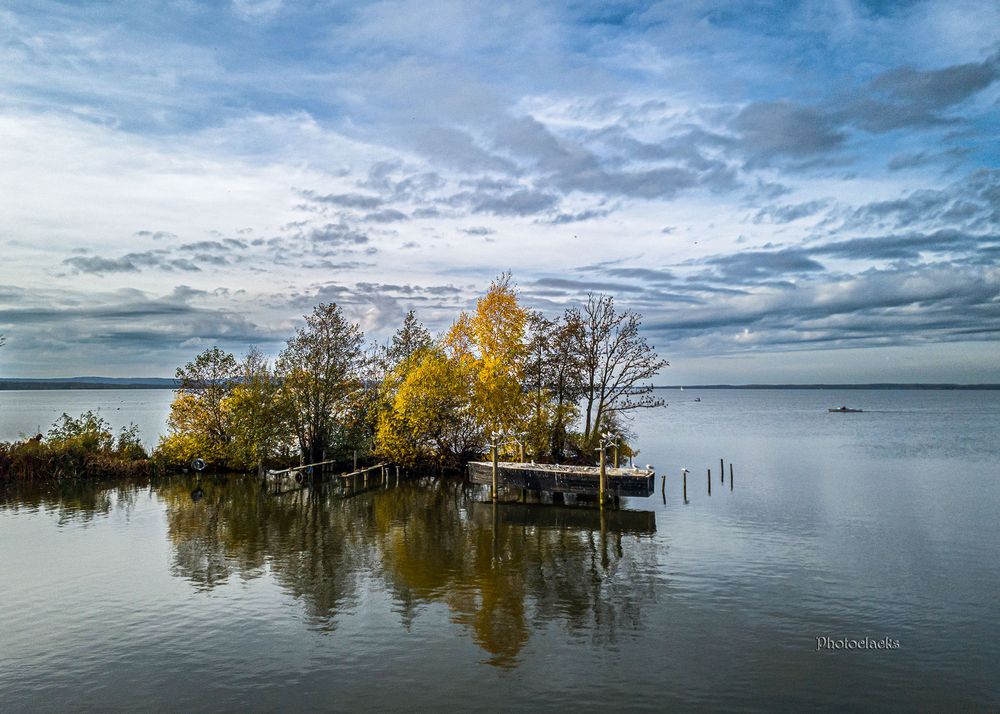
[28,412]
[881,524]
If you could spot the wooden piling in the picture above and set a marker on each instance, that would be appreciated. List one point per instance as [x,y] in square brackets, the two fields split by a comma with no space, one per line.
[730,475]
[603,476]
[685,475]
[722,472]
[663,485]
[494,450]
[520,451]
[710,482]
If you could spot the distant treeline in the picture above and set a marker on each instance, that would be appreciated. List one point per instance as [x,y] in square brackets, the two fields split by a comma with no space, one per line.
[62,384]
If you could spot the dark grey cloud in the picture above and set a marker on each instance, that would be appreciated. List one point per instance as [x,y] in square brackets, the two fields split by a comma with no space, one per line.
[791,212]
[393,182]
[782,129]
[748,266]
[130,263]
[336,234]
[648,275]
[906,97]
[907,247]
[878,307]
[972,202]
[585,215]
[344,200]
[456,148]
[155,235]
[917,159]
[105,328]
[795,134]
[524,202]
[387,215]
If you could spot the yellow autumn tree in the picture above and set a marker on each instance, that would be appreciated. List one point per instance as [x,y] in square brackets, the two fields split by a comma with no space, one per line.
[198,425]
[490,345]
[426,416]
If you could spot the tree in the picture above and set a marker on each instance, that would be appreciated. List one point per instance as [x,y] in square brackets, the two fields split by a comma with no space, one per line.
[566,377]
[198,425]
[319,373]
[209,379]
[253,413]
[490,346]
[538,369]
[429,417]
[617,362]
[408,339]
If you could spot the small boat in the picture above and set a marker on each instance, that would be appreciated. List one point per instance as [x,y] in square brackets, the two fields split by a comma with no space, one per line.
[697,399]
[845,410]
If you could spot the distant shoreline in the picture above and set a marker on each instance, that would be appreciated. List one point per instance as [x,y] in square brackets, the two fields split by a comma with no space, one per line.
[73,383]
[86,383]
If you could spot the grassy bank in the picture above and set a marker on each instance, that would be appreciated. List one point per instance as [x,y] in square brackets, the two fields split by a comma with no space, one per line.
[82,447]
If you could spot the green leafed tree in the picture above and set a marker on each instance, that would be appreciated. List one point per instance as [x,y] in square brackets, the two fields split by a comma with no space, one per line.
[254,415]
[319,371]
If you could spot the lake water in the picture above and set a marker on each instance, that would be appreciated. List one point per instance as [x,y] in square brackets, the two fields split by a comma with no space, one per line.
[28,412]
[419,597]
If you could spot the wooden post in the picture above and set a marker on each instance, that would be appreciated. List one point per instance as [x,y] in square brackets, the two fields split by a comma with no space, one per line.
[603,475]
[663,485]
[520,451]
[355,460]
[684,473]
[730,475]
[710,482]
[615,463]
[397,474]
[722,472]
[494,450]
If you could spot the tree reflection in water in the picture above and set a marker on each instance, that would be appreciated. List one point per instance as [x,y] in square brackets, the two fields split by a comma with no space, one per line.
[502,571]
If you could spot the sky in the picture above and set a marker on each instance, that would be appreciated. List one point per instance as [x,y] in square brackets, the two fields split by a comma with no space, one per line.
[787,192]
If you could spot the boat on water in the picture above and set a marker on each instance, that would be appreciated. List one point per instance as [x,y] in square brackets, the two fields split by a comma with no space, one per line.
[844,410]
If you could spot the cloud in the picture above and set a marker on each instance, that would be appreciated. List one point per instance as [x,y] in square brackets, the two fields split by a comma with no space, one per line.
[917,159]
[524,202]
[909,246]
[905,96]
[388,215]
[563,134]
[770,130]
[478,231]
[155,235]
[345,200]
[789,213]
[130,263]
[764,265]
